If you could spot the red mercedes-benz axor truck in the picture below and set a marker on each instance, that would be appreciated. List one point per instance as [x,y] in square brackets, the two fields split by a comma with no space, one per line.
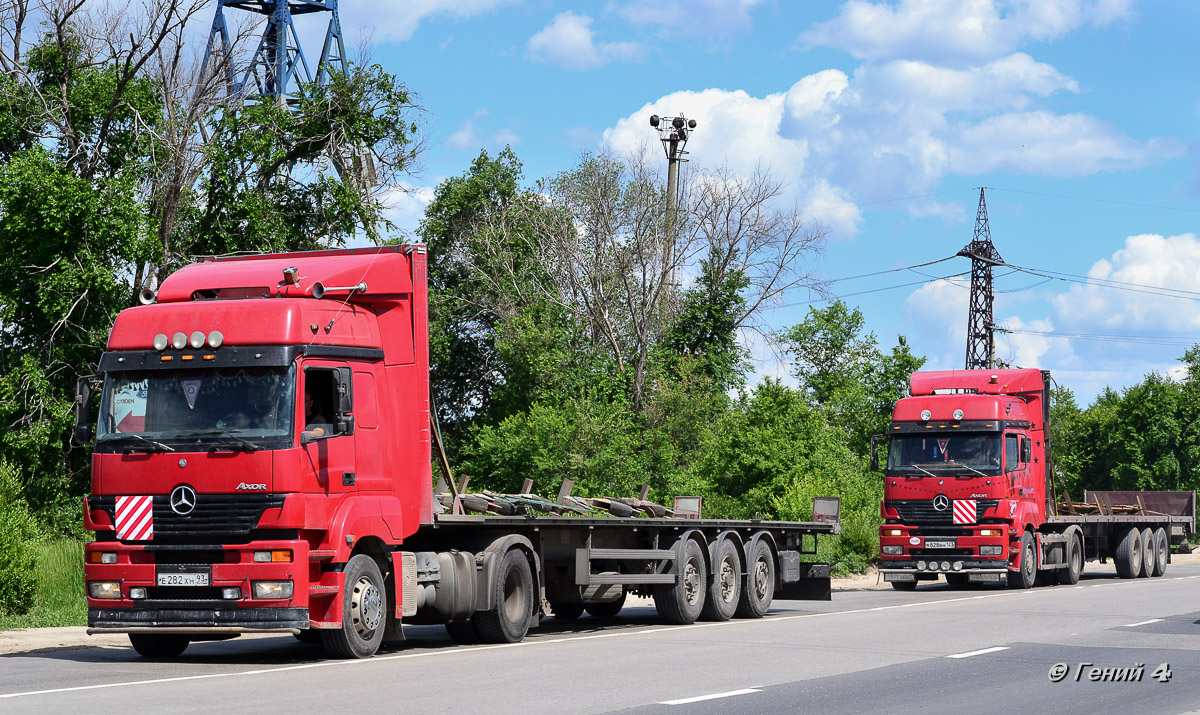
[262,464]
[969,492]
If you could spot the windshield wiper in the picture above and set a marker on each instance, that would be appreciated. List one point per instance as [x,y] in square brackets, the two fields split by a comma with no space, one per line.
[973,469]
[240,441]
[151,445]
[922,470]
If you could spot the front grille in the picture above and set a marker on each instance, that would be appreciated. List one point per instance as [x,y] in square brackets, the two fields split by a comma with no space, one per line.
[184,593]
[941,553]
[921,511]
[215,515]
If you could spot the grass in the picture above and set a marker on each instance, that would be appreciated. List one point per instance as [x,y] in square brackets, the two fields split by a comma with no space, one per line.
[59,598]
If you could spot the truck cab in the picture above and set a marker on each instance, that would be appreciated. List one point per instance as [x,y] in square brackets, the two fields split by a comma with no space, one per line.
[965,473]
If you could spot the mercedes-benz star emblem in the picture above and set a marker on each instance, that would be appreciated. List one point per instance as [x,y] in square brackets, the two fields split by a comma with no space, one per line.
[183,500]
[182,463]
[940,502]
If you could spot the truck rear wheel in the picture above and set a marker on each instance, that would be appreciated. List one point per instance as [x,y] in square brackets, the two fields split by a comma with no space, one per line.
[462,632]
[1147,553]
[758,590]
[725,588]
[681,602]
[1069,576]
[1027,574]
[507,621]
[158,645]
[1160,552]
[1128,558]
[607,609]
[363,611]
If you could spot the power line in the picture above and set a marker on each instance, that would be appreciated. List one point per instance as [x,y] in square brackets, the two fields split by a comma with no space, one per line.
[1136,339]
[872,290]
[1098,201]
[891,270]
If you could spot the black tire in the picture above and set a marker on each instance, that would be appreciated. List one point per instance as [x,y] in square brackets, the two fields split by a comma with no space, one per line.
[1025,576]
[904,585]
[681,602]
[364,611]
[567,611]
[1147,553]
[462,632]
[1070,575]
[1160,552]
[507,621]
[158,645]
[1128,558]
[956,580]
[758,589]
[607,609]
[725,585]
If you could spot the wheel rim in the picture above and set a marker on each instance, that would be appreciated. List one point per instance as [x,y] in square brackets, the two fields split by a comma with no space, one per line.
[514,596]
[761,582]
[691,582]
[366,607]
[727,580]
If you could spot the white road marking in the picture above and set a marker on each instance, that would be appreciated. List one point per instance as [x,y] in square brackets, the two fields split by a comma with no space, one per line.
[714,696]
[528,644]
[1142,623]
[978,652]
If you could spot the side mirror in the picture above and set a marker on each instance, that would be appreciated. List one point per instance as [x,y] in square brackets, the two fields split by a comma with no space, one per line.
[1026,450]
[344,425]
[84,431]
[875,451]
[344,384]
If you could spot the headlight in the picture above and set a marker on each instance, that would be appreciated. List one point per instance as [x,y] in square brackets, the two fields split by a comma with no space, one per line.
[945,565]
[893,532]
[137,593]
[920,565]
[990,532]
[98,557]
[104,589]
[991,550]
[893,550]
[261,557]
[272,589]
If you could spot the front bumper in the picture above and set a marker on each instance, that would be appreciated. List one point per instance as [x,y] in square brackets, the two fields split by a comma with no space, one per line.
[973,569]
[197,620]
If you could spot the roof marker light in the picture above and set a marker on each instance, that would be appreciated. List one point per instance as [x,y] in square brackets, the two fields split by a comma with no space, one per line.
[161,341]
[197,340]
[179,341]
[215,339]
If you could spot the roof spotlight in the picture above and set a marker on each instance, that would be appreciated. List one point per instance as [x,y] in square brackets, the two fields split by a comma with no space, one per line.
[197,340]
[654,120]
[179,341]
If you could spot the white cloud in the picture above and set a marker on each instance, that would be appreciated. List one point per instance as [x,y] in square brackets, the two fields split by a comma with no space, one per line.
[465,137]
[696,18]
[569,42]
[397,21]
[956,31]
[1146,260]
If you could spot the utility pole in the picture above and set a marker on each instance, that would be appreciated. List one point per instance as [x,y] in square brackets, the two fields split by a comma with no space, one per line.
[674,136]
[981,344]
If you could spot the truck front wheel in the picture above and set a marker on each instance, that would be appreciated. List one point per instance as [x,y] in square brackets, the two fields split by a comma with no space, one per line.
[507,621]
[1128,558]
[1027,574]
[158,645]
[363,613]
[758,590]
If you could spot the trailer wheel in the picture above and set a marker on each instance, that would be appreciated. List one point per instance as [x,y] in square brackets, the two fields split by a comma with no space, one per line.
[364,614]
[158,645]
[758,589]
[507,621]
[1027,574]
[607,609]
[567,611]
[725,588]
[681,602]
[1147,553]
[462,632]
[1070,575]
[1160,552]
[1128,558]
[904,585]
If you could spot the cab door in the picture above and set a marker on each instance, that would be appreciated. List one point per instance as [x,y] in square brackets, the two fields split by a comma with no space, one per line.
[330,454]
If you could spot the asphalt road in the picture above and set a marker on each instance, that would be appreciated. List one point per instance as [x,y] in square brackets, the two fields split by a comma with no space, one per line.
[978,649]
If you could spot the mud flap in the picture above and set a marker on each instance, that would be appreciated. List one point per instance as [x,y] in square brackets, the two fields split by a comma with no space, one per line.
[811,584]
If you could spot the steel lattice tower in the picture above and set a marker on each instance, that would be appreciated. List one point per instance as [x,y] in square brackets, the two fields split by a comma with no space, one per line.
[279,60]
[981,348]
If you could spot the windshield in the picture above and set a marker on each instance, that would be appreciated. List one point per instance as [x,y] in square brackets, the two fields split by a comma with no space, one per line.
[248,405]
[977,453]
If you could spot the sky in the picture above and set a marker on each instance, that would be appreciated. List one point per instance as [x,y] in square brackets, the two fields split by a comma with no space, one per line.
[883,119]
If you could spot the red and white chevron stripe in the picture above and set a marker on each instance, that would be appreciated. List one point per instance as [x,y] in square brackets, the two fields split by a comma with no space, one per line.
[964,511]
[135,518]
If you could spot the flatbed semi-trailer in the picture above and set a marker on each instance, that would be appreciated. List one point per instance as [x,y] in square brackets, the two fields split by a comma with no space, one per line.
[262,464]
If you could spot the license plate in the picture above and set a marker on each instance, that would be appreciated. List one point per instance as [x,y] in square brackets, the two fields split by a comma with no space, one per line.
[939,543]
[183,579]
